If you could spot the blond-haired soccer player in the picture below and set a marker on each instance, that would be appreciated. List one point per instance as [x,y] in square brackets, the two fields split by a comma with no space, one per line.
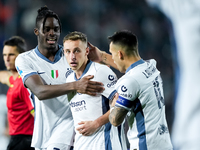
[90,113]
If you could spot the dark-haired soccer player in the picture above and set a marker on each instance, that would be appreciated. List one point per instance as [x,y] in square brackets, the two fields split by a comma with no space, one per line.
[141,97]
[19,102]
[44,71]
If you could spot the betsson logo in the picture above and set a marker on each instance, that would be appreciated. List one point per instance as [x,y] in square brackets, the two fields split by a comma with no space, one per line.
[78,106]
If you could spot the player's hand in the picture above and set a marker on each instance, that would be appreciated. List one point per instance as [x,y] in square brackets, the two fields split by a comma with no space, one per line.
[87,128]
[95,54]
[86,86]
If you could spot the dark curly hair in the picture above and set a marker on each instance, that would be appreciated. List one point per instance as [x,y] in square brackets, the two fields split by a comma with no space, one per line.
[44,13]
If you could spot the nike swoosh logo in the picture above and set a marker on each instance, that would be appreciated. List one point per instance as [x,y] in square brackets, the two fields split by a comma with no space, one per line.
[41,72]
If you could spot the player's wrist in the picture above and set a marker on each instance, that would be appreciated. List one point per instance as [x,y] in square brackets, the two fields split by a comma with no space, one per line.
[74,86]
[97,123]
[102,57]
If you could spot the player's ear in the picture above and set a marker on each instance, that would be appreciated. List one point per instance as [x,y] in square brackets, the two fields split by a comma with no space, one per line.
[87,50]
[120,55]
[36,31]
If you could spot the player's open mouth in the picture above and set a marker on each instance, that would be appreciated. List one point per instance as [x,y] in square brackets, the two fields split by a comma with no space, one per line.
[51,41]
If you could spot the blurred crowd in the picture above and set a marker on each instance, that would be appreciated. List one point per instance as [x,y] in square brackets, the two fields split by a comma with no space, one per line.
[98,19]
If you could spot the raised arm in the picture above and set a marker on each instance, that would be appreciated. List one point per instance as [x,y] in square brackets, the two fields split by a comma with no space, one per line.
[42,91]
[99,56]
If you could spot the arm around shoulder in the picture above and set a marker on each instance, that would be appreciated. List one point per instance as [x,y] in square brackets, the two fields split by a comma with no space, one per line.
[44,91]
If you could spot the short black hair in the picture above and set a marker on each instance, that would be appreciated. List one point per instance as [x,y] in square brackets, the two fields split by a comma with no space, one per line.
[17,41]
[44,13]
[125,39]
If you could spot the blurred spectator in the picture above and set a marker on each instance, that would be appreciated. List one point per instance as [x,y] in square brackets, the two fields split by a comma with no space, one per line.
[4,136]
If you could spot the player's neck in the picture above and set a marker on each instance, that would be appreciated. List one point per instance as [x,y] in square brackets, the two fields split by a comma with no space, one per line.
[49,53]
[80,71]
[129,61]
[14,74]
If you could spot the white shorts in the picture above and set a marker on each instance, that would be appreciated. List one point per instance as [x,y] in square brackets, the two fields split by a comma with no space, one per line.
[56,146]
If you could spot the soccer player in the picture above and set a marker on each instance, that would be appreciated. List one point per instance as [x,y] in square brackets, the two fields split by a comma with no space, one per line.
[90,113]
[19,102]
[140,97]
[44,70]
[184,16]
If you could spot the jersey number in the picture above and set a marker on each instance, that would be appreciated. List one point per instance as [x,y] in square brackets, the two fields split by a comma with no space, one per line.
[157,89]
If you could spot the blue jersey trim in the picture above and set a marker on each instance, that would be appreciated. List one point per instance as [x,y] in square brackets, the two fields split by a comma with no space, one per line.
[28,75]
[119,128]
[111,96]
[57,57]
[139,116]
[105,108]
[33,100]
[141,61]
[125,102]
[85,71]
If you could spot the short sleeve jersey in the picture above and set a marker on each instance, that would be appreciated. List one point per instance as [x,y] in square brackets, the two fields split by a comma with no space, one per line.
[141,93]
[19,105]
[88,108]
[53,119]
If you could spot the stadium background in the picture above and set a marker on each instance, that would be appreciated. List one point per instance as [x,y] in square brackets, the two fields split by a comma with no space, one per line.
[98,19]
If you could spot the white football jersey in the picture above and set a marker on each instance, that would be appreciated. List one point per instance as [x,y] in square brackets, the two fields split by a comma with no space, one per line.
[141,93]
[53,118]
[88,108]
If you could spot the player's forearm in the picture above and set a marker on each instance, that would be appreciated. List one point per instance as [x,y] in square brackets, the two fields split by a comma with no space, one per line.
[44,92]
[117,116]
[103,119]
[107,59]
